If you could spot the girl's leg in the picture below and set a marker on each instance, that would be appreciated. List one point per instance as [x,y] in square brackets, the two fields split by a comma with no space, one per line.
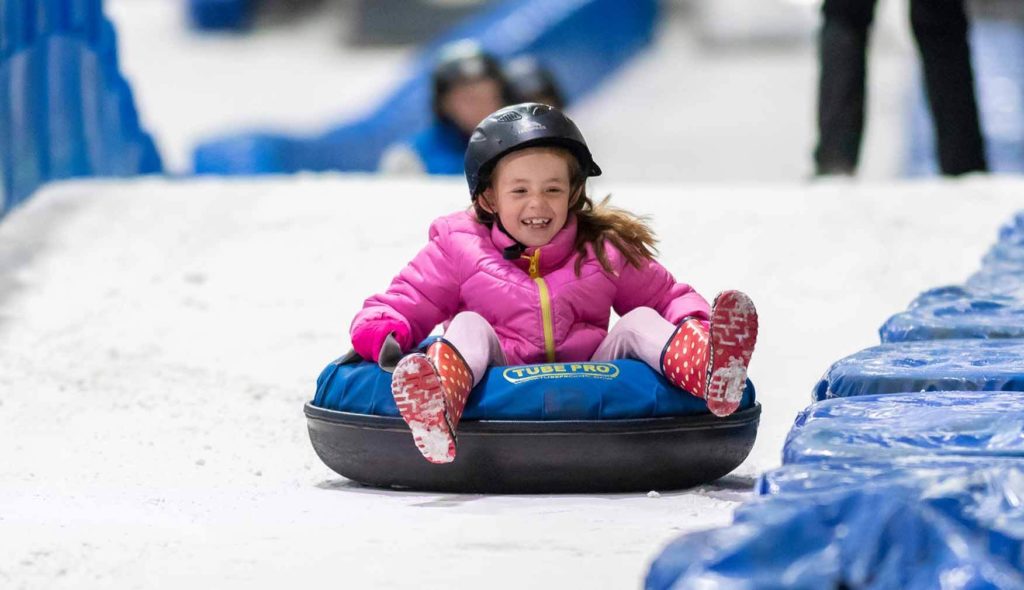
[431,389]
[640,334]
[710,364]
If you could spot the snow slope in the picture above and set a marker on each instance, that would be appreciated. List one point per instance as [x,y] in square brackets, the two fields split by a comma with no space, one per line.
[158,339]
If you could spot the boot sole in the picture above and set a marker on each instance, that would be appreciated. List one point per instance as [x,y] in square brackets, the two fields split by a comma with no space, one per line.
[732,339]
[416,387]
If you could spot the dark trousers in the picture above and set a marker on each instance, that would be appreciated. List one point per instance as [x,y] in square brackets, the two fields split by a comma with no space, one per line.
[940,28]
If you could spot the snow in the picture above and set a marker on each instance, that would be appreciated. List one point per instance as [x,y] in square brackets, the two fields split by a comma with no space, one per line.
[159,338]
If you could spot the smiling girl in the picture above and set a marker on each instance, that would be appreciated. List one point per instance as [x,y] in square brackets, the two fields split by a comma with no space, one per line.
[531,274]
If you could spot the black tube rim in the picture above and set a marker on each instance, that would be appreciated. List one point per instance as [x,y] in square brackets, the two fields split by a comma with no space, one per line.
[700,422]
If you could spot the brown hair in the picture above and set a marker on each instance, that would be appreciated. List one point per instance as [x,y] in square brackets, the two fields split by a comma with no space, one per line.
[595,224]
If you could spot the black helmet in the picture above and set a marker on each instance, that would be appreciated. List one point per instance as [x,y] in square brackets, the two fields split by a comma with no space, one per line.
[518,127]
[529,80]
[459,62]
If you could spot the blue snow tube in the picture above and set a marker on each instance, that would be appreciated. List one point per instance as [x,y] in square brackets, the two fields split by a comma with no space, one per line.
[935,365]
[557,427]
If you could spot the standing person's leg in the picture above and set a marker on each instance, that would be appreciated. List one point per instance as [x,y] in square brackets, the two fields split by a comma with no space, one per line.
[940,27]
[843,61]
[710,364]
[431,389]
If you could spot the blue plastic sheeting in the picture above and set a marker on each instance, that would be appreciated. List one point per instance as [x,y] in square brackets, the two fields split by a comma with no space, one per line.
[940,316]
[220,15]
[1013,231]
[1005,254]
[884,471]
[555,391]
[935,365]
[975,423]
[581,41]
[997,54]
[989,282]
[949,528]
[65,110]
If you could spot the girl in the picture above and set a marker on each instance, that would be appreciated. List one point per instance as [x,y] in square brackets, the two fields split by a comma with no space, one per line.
[530,275]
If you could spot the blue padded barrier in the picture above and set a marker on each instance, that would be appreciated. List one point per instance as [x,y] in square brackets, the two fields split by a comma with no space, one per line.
[220,15]
[1005,254]
[936,365]
[65,110]
[937,316]
[871,428]
[917,531]
[618,390]
[992,282]
[997,54]
[826,476]
[581,41]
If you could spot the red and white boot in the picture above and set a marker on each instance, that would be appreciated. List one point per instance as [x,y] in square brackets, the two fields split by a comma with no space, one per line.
[430,391]
[714,366]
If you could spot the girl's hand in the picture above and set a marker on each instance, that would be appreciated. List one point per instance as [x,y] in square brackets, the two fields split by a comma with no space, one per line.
[369,337]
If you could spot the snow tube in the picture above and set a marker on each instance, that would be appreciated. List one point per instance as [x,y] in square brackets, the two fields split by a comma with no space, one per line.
[949,423]
[935,365]
[942,315]
[558,427]
[914,530]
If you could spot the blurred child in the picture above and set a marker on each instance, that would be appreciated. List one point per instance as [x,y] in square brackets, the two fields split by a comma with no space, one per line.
[468,85]
[529,81]
[531,274]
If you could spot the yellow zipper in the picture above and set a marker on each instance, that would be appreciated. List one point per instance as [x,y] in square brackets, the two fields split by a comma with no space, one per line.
[545,305]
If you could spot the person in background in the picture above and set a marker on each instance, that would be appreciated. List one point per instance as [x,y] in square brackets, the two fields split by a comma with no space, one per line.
[940,28]
[529,81]
[468,85]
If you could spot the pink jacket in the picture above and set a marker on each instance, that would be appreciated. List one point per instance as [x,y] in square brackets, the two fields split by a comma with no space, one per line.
[540,309]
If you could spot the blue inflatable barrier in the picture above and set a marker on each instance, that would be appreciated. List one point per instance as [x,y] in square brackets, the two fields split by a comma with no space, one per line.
[918,530]
[1006,254]
[65,110]
[1012,232]
[975,424]
[885,470]
[558,427]
[942,315]
[991,282]
[935,365]
[581,41]
[220,15]
[997,56]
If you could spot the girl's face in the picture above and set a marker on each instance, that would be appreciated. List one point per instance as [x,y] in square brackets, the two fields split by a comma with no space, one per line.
[529,192]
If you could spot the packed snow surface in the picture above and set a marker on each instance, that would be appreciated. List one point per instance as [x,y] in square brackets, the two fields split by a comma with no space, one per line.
[159,338]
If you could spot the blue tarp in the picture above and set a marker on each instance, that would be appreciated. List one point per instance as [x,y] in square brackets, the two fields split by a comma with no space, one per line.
[555,391]
[938,315]
[581,41]
[968,424]
[956,527]
[936,365]
[65,109]
[994,282]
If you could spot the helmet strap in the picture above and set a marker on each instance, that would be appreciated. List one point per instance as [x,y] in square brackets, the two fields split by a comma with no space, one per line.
[515,251]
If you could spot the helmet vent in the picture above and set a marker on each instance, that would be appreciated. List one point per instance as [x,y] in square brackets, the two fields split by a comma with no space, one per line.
[508,117]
